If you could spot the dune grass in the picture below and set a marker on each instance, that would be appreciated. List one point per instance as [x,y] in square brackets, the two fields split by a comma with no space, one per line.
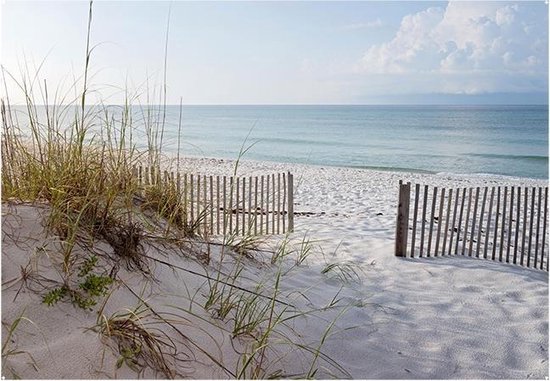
[79,159]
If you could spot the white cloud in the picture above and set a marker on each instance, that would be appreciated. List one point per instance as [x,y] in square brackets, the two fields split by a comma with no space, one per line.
[459,44]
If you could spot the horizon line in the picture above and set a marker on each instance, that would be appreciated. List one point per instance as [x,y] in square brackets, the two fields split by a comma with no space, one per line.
[303,104]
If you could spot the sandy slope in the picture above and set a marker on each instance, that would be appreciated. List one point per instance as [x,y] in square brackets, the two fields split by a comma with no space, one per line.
[421,318]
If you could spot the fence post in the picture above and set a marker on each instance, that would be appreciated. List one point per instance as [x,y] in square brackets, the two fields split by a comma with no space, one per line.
[402,225]
[290,202]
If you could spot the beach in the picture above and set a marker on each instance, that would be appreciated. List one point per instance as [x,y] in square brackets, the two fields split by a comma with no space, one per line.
[401,231]
[430,318]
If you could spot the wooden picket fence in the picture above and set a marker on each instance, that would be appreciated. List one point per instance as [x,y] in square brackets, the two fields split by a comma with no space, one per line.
[230,205]
[506,224]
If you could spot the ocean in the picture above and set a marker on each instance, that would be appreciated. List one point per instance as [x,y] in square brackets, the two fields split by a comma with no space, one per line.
[502,140]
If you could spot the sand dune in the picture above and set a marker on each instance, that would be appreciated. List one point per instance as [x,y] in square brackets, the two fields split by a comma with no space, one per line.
[449,317]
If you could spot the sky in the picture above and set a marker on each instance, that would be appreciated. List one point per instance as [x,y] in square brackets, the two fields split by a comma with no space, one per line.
[361,52]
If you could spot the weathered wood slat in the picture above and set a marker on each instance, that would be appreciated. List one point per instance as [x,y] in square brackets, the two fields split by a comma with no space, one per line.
[466,223]
[285,202]
[460,221]
[243,222]
[250,215]
[544,231]
[454,222]
[516,240]
[256,205]
[510,220]
[192,198]
[402,220]
[262,204]
[229,210]
[480,229]
[217,204]
[211,205]
[226,216]
[424,205]
[267,206]
[488,229]
[415,217]
[290,202]
[273,223]
[237,204]
[278,203]
[439,221]
[538,227]
[496,225]
[198,201]
[474,218]
[525,198]
[205,206]
[531,216]
[432,215]
[503,228]
[447,218]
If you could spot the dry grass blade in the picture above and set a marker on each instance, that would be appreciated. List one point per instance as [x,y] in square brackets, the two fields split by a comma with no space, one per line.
[8,351]
[139,346]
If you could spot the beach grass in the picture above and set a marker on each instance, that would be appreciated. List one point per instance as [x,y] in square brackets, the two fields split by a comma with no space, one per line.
[79,160]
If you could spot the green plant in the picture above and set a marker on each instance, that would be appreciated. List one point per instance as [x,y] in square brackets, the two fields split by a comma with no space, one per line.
[55,295]
[9,351]
[90,287]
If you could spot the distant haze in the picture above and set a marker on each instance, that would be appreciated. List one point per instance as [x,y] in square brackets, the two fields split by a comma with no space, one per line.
[286,52]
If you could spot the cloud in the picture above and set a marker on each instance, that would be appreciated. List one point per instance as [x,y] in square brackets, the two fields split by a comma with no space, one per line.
[363,25]
[468,47]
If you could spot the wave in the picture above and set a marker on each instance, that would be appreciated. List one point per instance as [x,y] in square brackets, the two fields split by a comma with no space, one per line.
[387,169]
[509,157]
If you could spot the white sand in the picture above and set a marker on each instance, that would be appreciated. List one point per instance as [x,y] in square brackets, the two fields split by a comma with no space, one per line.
[429,318]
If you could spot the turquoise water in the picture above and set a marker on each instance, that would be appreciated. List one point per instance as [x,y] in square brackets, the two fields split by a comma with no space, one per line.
[504,140]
